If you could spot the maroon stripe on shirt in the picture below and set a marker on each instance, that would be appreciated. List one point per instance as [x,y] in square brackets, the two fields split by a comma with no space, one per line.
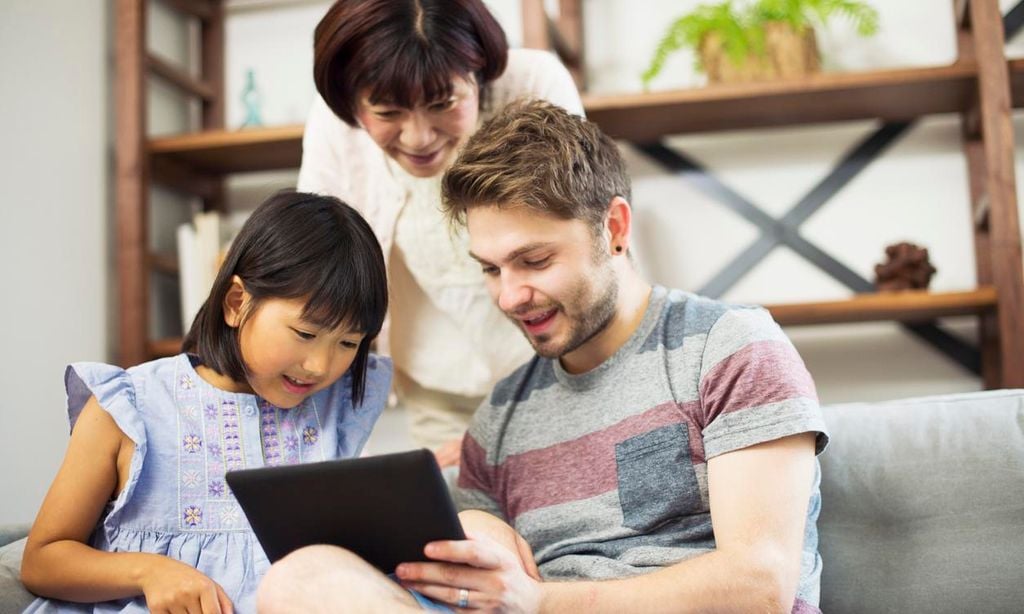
[760,373]
[579,468]
[474,472]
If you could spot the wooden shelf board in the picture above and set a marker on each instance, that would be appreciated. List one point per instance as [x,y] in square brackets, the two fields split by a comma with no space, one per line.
[1016,69]
[232,151]
[161,348]
[889,95]
[908,306]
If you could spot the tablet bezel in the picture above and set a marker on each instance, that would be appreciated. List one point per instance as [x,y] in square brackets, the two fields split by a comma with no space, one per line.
[384,508]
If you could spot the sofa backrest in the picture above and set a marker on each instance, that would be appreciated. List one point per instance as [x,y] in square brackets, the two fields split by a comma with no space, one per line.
[923,505]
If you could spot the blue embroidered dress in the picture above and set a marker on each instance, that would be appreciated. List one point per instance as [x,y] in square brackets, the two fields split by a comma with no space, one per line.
[187,435]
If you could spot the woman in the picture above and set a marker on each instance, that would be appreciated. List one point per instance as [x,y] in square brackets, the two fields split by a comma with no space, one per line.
[403,84]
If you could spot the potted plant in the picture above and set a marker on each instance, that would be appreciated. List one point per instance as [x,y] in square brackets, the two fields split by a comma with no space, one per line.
[760,40]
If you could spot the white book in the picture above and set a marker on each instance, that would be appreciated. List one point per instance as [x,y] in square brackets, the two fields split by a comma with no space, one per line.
[192,296]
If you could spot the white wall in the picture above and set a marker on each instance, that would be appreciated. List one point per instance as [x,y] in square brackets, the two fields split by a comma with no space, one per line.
[54,229]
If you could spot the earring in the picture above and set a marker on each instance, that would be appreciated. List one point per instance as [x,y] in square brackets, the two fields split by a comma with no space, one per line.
[618,249]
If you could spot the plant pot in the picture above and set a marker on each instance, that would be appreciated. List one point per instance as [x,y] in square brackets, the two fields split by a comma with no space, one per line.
[787,54]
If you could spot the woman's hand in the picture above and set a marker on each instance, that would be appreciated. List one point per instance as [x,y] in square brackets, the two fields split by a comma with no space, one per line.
[172,586]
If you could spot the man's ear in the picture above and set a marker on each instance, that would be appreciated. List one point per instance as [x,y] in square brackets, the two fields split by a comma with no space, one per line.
[618,223]
[235,302]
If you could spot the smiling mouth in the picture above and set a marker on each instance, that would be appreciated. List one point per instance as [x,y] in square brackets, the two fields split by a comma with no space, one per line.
[297,385]
[424,158]
[539,321]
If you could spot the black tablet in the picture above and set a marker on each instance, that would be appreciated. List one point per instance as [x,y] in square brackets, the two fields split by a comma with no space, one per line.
[384,508]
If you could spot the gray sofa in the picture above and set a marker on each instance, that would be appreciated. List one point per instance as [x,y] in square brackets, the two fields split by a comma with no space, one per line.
[923,508]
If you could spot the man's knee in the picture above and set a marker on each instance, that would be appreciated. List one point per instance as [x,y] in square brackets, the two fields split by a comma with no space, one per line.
[313,576]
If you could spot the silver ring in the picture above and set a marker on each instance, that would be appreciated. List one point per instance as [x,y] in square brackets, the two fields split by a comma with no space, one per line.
[463,598]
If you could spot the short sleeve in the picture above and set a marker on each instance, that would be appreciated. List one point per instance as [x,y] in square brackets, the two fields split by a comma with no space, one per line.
[114,391]
[754,386]
[475,486]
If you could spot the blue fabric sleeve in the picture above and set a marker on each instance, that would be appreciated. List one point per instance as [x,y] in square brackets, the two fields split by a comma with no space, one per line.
[114,391]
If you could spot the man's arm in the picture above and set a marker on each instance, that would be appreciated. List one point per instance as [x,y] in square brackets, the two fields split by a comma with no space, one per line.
[759,497]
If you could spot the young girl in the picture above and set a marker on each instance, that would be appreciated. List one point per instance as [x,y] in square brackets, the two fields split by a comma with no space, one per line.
[277,372]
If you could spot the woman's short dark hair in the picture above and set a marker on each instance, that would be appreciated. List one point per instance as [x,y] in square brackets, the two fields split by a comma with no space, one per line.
[298,246]
[404,52]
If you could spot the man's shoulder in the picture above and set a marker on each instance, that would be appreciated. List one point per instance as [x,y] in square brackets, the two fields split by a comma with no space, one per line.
[688,315]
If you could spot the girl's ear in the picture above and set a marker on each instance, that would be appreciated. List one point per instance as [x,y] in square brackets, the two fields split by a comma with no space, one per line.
[235,301]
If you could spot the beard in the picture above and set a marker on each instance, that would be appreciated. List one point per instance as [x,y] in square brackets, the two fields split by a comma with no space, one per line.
[587,317]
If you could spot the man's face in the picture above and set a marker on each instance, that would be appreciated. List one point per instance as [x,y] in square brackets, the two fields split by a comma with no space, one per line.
[550,276]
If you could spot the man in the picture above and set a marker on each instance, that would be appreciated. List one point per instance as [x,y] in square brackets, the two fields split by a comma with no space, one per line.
[658,453]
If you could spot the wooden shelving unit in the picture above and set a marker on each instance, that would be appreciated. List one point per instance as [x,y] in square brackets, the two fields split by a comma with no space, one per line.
[980,86]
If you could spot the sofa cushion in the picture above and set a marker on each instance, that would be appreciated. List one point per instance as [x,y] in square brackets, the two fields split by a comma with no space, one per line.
[13,596]
[923,505]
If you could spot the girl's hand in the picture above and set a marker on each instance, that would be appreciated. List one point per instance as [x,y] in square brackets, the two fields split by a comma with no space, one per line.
[172,586]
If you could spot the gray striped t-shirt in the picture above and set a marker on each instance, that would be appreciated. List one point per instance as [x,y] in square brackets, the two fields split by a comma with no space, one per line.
[605,473]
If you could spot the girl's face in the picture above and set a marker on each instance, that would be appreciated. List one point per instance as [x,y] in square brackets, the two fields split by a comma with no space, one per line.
[288,357]
[423,140]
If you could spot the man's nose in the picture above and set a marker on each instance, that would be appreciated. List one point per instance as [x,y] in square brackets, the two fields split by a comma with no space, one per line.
[513,292]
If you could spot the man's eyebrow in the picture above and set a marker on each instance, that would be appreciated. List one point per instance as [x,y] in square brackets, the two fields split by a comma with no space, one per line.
[529,247]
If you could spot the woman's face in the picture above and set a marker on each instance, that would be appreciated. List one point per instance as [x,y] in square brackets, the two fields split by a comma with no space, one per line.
[424,139]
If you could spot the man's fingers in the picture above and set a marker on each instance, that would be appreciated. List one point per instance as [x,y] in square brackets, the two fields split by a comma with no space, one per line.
[479,552]
[526,557]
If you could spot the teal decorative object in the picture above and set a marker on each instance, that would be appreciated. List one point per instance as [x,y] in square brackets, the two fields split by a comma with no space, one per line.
[251,99]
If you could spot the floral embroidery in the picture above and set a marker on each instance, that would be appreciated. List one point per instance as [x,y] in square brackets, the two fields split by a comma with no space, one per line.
[291,443]
[190,412]
[210,411]
[192,443]
[217,488]
[214,449]
[193,515]
[229,516]
[186,382]
[190,478]
[310,435]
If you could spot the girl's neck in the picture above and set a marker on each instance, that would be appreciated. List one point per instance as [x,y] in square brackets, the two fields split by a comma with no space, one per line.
[222,382]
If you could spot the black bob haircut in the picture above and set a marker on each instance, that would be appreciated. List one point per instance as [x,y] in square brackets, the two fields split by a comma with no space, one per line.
[297,245]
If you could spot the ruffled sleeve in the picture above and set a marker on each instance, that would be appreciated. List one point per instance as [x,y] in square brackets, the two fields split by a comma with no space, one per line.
[114,391]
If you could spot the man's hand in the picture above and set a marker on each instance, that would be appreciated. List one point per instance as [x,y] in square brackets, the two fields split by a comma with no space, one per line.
[449,453]
[495,566]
